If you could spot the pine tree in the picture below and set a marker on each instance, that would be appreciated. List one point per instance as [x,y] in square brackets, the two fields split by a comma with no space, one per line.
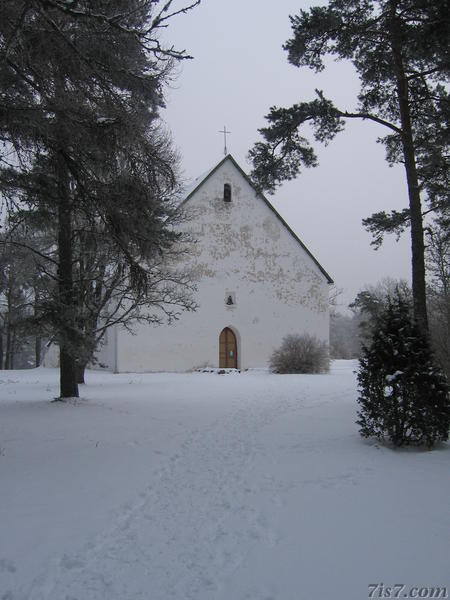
[81,89]
[403,396]
[399,51]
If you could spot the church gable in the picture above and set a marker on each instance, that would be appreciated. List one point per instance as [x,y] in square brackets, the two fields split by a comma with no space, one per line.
[243,244]
[224,206]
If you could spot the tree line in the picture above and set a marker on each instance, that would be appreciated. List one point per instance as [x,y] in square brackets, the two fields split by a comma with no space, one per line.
[352,330]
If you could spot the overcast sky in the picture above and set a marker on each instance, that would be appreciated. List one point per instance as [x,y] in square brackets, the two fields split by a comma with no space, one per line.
[238,72]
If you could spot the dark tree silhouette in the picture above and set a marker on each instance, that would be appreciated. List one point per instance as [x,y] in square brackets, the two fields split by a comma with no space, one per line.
[82,84]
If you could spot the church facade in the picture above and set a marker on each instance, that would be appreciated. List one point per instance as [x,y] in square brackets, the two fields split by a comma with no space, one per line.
[256,282]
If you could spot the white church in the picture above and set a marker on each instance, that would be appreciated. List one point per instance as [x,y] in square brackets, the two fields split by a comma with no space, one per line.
[256,282]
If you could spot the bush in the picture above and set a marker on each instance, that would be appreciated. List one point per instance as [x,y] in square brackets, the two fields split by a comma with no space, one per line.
[300,354]
[403,397]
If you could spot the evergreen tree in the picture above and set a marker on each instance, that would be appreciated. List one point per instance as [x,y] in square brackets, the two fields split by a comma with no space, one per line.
[399,50]
[373,300]
[403,396]
[81,88]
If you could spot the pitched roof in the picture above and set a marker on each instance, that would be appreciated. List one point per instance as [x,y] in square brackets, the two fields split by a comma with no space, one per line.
[197,183]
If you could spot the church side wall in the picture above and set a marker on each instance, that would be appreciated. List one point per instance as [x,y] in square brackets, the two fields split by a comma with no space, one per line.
[245,251]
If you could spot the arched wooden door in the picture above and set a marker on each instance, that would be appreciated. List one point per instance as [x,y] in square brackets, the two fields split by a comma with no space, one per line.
[227,349]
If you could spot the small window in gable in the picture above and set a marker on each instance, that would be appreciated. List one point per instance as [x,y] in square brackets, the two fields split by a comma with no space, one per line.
[227,192]
[230,299]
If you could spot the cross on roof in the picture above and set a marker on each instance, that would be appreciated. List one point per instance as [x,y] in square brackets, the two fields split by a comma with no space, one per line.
[225,132]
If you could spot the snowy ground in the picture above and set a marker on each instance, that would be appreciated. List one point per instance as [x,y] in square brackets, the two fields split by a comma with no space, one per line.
[208,487]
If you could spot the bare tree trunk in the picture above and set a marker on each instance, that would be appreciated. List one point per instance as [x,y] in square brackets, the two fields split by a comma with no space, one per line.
[9,346]
[37,351]
[67,367]
[80,372]
[8,323]
[1,350]
[417,241]
[12,356]
[37,337]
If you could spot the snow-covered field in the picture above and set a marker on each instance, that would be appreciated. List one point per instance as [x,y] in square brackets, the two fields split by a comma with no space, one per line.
[205,487]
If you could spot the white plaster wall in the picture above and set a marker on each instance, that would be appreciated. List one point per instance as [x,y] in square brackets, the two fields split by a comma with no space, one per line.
[50,358]
[106,354]
[243,248]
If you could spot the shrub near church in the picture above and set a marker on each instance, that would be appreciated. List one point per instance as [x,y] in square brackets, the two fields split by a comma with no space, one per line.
[300,354]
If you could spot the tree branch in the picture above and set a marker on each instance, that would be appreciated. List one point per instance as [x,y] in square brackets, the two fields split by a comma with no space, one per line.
[369,117]
[22,245]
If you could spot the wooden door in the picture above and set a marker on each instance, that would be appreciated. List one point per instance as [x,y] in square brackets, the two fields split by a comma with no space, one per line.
[227,349]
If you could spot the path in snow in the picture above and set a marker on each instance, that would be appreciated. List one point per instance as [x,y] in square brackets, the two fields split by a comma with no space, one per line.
[201,514]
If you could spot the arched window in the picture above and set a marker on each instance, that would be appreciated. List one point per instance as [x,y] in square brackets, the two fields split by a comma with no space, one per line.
[227,192]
